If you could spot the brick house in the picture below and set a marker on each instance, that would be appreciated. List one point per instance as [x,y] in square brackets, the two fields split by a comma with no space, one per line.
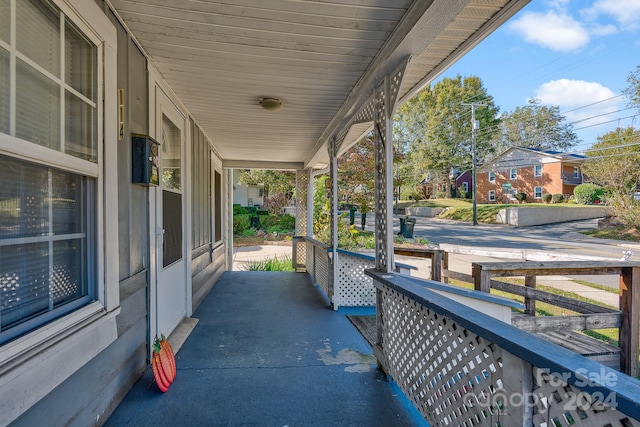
[531,171]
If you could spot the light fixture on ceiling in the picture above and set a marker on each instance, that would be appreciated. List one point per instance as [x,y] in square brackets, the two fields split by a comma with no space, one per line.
[272,104]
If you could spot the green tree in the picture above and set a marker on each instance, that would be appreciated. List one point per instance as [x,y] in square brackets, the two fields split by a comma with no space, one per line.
[536,126]
[633,90]
[614,161]
[438,127]
[274,181]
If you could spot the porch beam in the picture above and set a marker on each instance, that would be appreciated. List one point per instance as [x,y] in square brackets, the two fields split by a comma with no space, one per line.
[248,164]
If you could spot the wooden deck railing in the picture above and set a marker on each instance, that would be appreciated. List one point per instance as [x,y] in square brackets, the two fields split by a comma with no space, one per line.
[590,316]
[461,367]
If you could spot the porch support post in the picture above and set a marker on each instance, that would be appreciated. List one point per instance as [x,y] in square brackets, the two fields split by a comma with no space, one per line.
[303,176]
[228,230]
[383,141]
[310,191]
[333,201]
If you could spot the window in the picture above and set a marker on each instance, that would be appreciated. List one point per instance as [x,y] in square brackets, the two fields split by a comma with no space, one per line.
[537,170]
[217,206]
[492,177]
[576,172]
[513,174]
[47,204]
[537,193]
[465,187]
[492,196]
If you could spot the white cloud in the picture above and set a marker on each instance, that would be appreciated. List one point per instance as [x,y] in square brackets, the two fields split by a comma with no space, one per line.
[556,31]
[625,12]
[603,30]
[585,103]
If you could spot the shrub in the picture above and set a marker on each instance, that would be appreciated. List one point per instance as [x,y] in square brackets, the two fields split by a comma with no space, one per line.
[411,193]
[268,221]
[238,210]
[271,264]
[587,194]
[557,198]
[249,232]
[276,203]
[546,197]
[521,197]
[287,221]
[241,223]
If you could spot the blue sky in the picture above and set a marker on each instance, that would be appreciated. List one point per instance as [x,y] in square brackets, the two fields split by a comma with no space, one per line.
[574,54]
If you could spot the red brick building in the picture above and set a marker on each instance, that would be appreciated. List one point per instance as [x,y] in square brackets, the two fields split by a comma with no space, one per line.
[530,171]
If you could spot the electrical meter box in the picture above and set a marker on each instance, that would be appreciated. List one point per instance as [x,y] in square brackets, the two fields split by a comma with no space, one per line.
[145,161]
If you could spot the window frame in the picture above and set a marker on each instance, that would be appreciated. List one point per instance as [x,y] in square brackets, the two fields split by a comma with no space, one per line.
[537,192]
[89,19]
[576,172]
[465,186]
[492,195]
[537,171]
[513,173]
[492,176]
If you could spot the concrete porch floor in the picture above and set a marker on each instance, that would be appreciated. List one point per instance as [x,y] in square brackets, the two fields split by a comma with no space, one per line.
[267,351]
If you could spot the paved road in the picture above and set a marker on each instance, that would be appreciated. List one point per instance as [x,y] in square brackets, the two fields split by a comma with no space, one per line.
[561,238]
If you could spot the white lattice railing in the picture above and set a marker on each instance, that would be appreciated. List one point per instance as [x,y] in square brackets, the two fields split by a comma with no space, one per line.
[461,367]
[353,287]
[313,257]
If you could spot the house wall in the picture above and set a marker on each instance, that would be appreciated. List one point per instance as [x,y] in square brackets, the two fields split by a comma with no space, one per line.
[85,392]
[550,181]
[246,195]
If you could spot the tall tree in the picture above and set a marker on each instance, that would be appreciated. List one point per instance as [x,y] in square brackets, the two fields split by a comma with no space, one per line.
[633,90]
[614,161]
[274,181]
[437,125]
[356,174]
[536,126]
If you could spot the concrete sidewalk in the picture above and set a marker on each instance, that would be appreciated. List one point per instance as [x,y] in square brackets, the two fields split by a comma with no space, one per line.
[245,254]
[457,262]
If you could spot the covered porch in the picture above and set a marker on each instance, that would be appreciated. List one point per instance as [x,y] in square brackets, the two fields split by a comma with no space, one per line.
[268,351]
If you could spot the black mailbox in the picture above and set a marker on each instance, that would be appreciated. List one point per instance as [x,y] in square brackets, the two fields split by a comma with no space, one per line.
[145,162]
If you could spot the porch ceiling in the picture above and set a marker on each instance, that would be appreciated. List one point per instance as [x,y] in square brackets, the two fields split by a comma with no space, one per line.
[322,57]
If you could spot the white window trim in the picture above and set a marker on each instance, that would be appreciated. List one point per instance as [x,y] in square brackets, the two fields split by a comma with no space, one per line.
[82,333]
[576,172]
[534,193]
[513,175]
[492,193]
[535,169]
[489,176]
[465,186]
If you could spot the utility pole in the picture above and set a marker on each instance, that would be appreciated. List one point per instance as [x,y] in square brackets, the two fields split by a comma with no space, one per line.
[475,125]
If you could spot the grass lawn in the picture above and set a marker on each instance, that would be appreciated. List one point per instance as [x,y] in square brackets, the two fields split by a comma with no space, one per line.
[609,335]
[616,233]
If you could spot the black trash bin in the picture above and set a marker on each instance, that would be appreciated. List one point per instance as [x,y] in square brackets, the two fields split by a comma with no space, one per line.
[352,215]
[403,227]
[408,230]
[255,221]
